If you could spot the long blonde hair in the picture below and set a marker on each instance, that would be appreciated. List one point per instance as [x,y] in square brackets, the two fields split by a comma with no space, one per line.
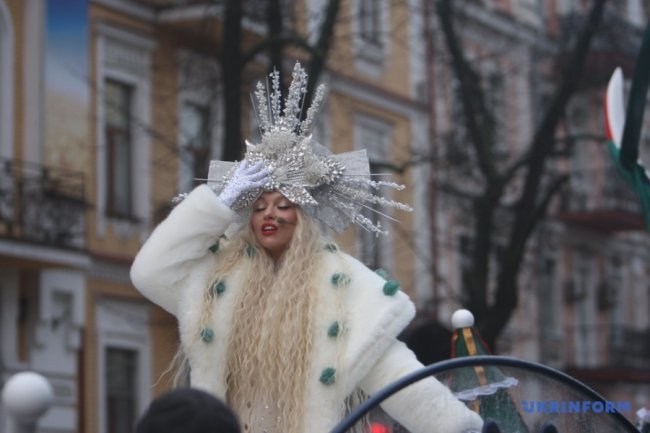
[270,345]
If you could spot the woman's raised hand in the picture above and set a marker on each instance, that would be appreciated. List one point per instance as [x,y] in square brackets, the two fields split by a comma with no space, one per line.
[244,180]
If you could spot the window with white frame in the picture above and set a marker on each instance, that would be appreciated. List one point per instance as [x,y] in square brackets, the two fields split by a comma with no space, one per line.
[370,22]
[121,379]
[199,135]
[195,143]
[375,136]
[371,35]
[118,100]
[124,364]
[585,331]
[123,135]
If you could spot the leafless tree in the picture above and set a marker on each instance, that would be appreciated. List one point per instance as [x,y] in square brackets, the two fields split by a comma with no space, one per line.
[234,57]
[530,172]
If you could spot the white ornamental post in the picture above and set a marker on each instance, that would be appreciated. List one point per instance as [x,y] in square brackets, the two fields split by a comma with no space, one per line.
[26,397]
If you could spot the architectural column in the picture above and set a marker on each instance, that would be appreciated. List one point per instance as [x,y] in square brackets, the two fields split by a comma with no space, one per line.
[57,340]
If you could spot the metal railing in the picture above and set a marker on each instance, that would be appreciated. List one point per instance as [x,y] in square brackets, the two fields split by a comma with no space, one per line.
[41,204]
[617,346]
[612,193]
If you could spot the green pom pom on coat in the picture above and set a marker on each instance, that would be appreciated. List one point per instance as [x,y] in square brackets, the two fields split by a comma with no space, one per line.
[391,287]
[250,251]
[340,279]
[331,248]
[207,335]
[219,287]
[382,273]
[334,330]
[327,376]
[214,247]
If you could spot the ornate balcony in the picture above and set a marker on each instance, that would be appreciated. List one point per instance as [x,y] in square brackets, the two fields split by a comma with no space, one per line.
[604,204]
[610,353]
[42,205]
[629,347]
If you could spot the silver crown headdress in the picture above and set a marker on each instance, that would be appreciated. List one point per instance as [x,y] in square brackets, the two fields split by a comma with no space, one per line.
[332,188]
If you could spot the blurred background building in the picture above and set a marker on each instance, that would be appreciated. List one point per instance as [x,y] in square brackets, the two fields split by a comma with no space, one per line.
[109,108]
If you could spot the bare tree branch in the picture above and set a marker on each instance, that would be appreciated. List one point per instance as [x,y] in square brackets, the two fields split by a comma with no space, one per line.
[479,121]
[529,207]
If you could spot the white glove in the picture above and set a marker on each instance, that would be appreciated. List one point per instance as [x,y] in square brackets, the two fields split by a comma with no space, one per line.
[244,180]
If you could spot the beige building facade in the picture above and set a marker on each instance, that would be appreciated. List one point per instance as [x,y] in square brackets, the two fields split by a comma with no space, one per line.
[88,170]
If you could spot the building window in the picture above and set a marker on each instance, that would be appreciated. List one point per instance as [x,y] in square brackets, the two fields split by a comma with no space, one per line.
[195,144]
[121,375]
[370,27]
[124,162]
[124,364]
[119,179]
[371,36]
[586,332]
[199,117]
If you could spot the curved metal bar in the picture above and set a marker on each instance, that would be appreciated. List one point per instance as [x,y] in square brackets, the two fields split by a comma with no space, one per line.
[471,361]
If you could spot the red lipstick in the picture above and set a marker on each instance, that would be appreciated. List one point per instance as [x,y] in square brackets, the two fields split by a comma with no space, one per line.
[268,229]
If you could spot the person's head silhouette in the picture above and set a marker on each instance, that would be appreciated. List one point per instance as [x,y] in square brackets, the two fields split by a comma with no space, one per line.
[188,410]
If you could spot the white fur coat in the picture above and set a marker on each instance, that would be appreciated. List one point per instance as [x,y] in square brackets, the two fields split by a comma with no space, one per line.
[173,269]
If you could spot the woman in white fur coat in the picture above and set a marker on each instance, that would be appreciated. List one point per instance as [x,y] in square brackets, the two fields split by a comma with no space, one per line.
[275,319]
[285,341]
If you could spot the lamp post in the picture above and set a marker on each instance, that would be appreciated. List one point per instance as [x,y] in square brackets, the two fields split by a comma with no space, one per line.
[26,397]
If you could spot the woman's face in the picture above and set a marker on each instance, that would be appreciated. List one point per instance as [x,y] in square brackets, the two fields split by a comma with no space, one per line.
[273,221]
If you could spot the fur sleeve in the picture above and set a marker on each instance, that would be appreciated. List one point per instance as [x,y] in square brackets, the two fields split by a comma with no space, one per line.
[375,316]
[179,242]
[426,406]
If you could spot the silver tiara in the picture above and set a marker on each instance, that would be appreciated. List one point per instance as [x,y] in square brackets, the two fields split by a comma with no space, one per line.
[333,188]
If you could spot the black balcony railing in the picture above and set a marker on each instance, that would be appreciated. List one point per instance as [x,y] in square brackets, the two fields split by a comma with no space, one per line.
[614,194]
[610,346]
[40,204]
[630,347]
[601,201]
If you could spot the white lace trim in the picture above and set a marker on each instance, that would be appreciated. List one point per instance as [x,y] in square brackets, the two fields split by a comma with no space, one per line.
[474,393]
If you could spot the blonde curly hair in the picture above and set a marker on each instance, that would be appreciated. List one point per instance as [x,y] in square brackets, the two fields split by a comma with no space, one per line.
[272,323]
